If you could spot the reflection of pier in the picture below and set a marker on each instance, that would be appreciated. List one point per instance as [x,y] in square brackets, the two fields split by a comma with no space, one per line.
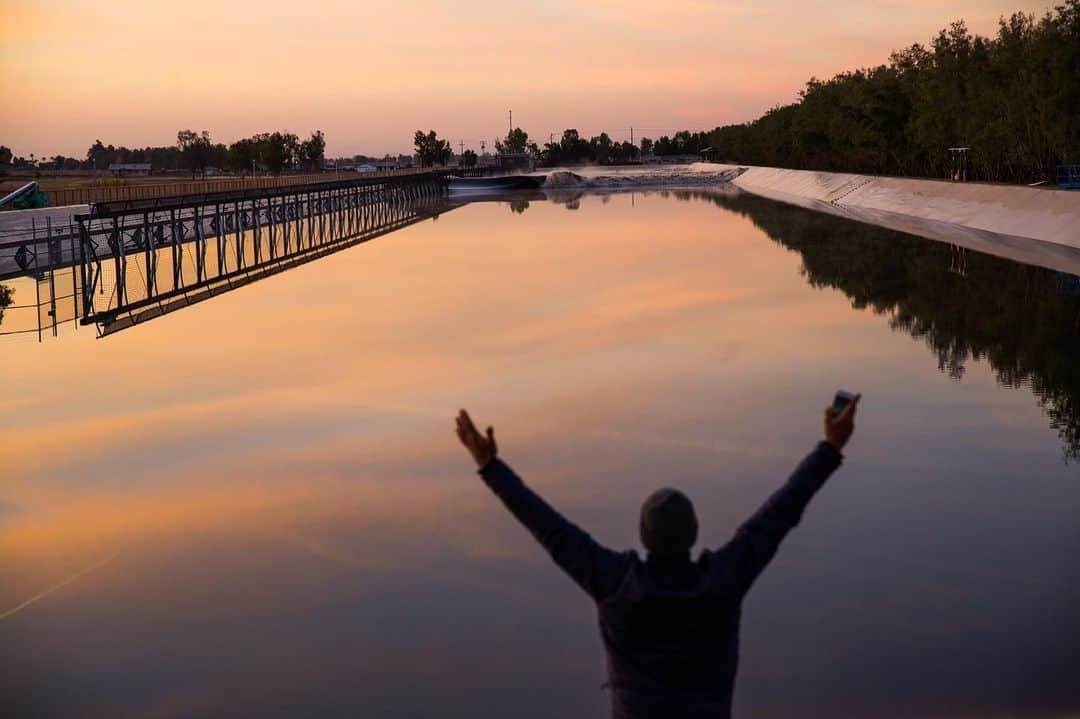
[130,261]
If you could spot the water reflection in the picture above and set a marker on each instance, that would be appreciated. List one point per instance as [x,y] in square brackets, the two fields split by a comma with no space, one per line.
[965,305]
[258,506]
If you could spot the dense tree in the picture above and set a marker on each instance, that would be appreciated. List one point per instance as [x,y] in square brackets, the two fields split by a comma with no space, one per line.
[1013,99]
[430,149]
[516,141]
[573,147]
[683,143]
[99,156]
[600,148]
[313,151]
[195,150]
[5,155]
[279,150]
[469,159]
[241,156]
[273,151]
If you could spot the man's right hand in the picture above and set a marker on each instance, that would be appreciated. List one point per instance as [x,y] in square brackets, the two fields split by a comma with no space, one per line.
[838,428]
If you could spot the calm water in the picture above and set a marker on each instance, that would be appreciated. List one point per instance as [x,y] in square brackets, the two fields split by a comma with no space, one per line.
[257,506]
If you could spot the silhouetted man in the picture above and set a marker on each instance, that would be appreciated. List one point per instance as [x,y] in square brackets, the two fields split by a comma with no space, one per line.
[670,625]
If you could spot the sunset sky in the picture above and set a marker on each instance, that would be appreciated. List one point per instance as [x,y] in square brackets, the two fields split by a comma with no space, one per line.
[369,73]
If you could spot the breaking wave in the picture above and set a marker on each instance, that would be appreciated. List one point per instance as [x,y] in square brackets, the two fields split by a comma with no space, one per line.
[679,175]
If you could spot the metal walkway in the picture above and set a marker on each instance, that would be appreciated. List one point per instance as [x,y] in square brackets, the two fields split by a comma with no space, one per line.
[123,263]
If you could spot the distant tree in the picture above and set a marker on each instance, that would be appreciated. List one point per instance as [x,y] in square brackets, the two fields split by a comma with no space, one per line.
[573,147]
[99,156]
[430,150]
[516,141]
[5,155]
[312,151]
[241,155]
[219,156]
[601,148]
[551,154]
[469,158]
[625,151]
[280,150]
[646,147]
[1013,99]
[195,150]
[62,162]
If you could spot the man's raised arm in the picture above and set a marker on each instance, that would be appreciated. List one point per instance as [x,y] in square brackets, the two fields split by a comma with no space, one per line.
[756,541]
[595,568]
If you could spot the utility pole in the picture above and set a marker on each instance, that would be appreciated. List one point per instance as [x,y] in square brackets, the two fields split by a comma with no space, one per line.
[511,120]
[631,136]
[461,144]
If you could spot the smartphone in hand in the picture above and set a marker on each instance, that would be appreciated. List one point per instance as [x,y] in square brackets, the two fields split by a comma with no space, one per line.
[840,401]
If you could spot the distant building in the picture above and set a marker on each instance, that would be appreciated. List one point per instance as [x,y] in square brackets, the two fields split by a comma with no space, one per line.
[513,161]
[1068,177]
[711,154]
[129,168]
[959,163]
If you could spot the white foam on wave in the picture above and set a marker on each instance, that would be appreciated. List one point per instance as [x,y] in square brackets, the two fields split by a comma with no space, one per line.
[696,175]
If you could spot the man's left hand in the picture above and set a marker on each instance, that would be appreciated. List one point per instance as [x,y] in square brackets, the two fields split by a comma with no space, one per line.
[482,449]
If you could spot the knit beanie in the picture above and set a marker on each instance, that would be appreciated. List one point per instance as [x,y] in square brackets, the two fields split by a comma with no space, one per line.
[668,524]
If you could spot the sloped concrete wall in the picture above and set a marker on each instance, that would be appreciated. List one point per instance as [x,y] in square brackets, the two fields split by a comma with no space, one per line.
[1034,225]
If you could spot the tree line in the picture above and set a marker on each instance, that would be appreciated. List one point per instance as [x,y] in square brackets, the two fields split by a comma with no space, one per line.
[195,152]
[571,148]
[1014,99]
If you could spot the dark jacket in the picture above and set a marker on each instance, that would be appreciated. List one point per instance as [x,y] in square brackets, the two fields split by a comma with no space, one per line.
[670,629]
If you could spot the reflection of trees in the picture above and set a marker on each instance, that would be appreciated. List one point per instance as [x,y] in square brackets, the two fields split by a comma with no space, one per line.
[6,295]
[1023,320]
[518,205]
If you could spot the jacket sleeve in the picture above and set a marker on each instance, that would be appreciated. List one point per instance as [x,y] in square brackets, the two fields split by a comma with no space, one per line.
[596,569]
[756,541]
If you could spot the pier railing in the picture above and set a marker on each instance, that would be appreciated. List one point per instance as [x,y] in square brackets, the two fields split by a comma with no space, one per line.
[124,192]
[128,261]
[142,258]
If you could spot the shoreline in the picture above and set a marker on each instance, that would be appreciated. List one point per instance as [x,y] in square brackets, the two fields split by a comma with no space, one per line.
[1036,226]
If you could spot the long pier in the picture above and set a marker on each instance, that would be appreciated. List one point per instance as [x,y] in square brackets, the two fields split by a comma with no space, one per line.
[121,263]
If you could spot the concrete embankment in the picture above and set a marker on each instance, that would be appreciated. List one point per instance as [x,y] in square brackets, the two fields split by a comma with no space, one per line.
[1039,226]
